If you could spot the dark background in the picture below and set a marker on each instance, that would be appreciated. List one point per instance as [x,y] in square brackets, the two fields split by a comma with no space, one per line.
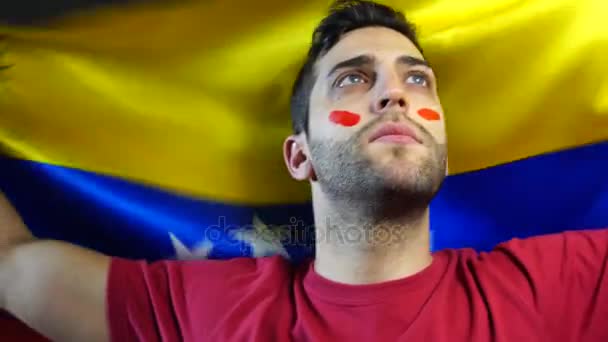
[39,12]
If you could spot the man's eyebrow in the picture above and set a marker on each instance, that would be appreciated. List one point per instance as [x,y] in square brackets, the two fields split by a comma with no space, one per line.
[412,61]
[357,61]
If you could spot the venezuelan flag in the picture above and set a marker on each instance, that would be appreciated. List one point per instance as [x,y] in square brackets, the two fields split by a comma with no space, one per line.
[154,129]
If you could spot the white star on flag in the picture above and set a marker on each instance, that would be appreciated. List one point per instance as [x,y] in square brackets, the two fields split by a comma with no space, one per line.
[200,251]
[263,240]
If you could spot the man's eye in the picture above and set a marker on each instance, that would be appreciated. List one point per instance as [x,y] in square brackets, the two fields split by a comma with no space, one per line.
[418,79]
[350,79]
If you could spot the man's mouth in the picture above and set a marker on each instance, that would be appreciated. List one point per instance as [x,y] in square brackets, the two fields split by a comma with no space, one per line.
[396,133]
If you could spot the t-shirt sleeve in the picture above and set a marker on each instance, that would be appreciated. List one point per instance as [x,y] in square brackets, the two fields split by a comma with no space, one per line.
[141,301]
[566,278]
[182,300]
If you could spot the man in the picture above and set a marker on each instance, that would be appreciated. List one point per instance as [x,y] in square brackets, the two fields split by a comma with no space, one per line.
[370,138]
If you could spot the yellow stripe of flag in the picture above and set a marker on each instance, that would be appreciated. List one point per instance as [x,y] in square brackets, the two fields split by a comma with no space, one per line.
[193,96]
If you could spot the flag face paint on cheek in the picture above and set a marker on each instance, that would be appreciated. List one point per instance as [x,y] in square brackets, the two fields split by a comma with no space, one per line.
[429,114]
[344,118]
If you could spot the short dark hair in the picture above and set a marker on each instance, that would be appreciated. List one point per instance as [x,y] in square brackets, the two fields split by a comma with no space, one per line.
[344,16]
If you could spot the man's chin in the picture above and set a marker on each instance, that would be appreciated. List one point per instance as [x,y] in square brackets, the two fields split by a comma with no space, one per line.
[397,159]
[399,176]
[407,173]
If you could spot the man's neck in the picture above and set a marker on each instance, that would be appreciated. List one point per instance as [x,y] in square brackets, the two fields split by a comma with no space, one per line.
[352,249]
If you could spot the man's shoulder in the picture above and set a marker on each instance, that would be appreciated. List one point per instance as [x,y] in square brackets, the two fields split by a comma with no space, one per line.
[237,273]
[536,256]
[240,265]
[557,241]
[206,278]
[538,253]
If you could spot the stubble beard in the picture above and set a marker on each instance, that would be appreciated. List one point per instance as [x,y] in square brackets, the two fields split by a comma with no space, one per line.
[349,178]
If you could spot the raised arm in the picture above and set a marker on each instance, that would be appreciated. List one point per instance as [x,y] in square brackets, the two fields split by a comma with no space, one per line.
[56,288]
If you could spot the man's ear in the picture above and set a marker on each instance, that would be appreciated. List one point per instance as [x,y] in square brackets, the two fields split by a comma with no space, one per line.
[297,158]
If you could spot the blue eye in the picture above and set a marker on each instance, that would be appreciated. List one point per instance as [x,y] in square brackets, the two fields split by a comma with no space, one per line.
[350,79]
[418,79]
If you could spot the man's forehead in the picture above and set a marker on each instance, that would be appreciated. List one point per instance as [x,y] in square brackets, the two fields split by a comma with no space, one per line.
[379,42]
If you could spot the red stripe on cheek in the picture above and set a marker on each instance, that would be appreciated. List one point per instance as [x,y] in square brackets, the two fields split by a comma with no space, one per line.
[429,114]
[344,118]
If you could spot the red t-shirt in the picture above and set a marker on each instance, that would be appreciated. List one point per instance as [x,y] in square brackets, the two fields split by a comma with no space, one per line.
[549,288]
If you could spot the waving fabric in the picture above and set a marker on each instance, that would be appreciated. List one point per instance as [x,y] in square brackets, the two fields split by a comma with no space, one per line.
[154,130]
[139,129]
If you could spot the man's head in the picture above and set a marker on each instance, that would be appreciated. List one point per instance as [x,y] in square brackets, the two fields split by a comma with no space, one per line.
[366,115]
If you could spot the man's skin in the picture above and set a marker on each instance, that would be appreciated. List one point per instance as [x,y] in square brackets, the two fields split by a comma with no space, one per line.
[357,186]
[55,287]
[392,97]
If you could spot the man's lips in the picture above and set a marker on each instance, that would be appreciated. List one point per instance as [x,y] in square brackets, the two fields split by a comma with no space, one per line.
[395,133]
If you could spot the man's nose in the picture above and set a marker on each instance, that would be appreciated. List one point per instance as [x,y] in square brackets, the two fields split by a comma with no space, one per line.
[392,98]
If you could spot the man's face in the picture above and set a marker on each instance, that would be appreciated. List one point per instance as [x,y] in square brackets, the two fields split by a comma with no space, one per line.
[376,122]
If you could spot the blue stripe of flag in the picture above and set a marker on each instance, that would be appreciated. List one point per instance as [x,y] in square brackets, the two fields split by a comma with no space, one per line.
[543,194]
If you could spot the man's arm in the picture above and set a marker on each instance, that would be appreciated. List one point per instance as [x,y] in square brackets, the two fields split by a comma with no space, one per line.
[56,288]
[563,276]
